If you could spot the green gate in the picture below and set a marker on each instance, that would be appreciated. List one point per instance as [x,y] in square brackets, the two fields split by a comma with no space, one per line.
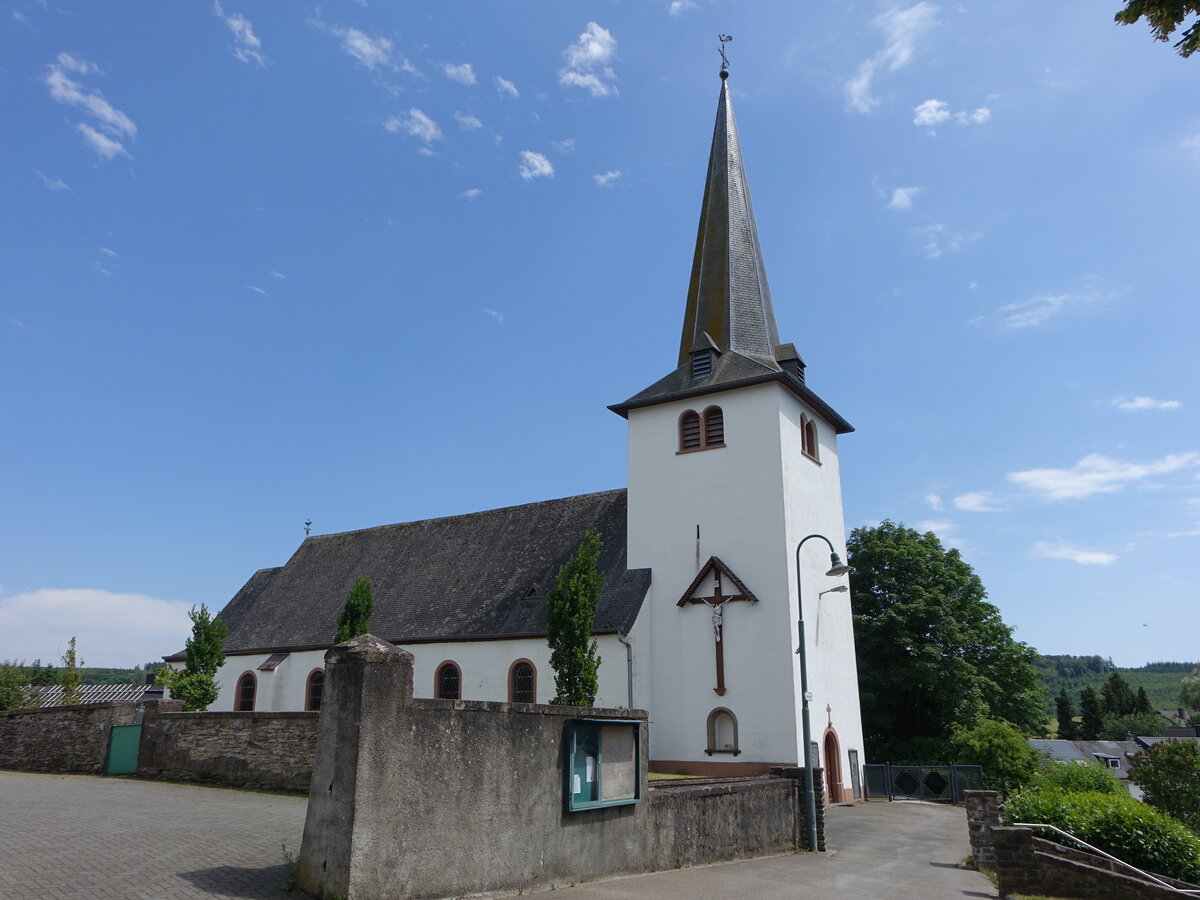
[123,743]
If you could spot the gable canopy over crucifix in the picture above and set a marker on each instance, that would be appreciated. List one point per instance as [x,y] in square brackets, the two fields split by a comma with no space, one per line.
[715,586]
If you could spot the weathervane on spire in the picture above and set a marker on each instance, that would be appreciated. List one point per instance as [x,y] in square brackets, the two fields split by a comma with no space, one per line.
[725,39]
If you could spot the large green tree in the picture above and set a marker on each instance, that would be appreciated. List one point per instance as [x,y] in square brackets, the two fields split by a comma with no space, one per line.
[196,684]
[355,618]
[1169,774]
[1091,715]
[570,616]
[1189,689]
[1117,697]
[1068,728]
[1163,17]
[932,652]
[13,691]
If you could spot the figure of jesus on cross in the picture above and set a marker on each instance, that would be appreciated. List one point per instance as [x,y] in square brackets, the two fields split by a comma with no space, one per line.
[717,602]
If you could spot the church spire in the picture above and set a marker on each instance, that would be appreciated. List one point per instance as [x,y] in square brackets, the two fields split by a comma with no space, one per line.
[729,301]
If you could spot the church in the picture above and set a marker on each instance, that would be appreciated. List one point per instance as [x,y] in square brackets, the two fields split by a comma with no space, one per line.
[733,469]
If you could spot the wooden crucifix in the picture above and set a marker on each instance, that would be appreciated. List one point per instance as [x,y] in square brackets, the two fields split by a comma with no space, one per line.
[716,602]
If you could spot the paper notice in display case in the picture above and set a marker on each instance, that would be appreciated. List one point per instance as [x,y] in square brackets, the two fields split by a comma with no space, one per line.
[591,769]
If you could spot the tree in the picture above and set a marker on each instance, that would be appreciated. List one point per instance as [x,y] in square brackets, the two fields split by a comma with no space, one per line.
[1163,17]
[13,691]
[1091,715]
[1189,689]
[1116,697]
[1169,776]
[196,685]
[71,677]
[1141,703]
[1007,759]
[356,613]
[932,652]
[570,616]
[1068,730]
[1142,724]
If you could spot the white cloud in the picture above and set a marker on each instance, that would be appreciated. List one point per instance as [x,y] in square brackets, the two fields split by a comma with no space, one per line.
[977,501]
[506,88]
[275,274]
[103,145]
[679,7]
[1140,403]
[931,113]
[1192,145]
[946,532]
[246,45]
[902,197]
[901,29]
[607,179]
[115,126]
[534,165]
[934,501]
[498,316]
[257,290]
[467,122]
[936,239]
[1081,555]
[471,193]
[1097,474]
[975,117]
[372,52]
[54,184]
[111,629]
[1042,308]
[567,146]
[463,74]
[416,124]
[588,62]
[109,252]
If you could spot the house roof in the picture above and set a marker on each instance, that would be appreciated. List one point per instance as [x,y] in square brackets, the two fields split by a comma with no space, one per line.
[51,695]
[471,577]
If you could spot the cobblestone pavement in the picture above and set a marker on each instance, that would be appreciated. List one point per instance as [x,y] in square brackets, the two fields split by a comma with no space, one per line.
[76,836]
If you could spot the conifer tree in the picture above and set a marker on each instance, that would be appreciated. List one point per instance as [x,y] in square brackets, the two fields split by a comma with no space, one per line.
[196,685]
[1116,696]
[1092,715]
[356,613]
[570,616]
[1068,729]
[72,678]
[1142,705]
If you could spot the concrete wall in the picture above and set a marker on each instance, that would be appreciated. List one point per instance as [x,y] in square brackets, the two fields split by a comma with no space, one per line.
[484,664]
[753,499]
[61,738]
[434,798]
[269,751]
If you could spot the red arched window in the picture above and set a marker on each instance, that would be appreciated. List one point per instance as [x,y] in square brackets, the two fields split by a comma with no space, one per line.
[312,692]
[699,432]
[522,682]
[808,438]
[246,687]
[447,683]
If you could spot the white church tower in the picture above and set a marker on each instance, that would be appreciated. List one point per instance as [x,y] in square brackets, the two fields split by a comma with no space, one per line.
[733,463]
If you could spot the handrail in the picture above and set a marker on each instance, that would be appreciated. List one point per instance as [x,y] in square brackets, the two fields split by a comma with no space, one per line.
[1121,862]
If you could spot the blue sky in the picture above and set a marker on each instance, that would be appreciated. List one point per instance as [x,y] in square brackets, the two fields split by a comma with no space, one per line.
[363,264]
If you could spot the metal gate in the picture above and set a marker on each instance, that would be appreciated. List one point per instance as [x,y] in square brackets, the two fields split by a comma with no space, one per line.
[123,742]
[944,784]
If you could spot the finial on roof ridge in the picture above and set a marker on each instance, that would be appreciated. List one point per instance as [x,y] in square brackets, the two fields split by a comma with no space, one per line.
[725,39]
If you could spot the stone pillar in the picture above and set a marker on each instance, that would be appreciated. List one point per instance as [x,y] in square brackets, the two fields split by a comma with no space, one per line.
[800,831]
[368,685]
[983,814]
[1016,871]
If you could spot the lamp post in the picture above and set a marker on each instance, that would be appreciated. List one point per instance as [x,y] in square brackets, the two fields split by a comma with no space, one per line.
[836,569]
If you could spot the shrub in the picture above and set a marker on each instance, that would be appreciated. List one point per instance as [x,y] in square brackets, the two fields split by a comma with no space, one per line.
[1077,777]
[1169,775]
[1115,728]
[1002,751]
[1131,831]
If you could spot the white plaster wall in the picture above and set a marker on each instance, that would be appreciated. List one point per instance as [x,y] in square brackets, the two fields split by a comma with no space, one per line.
[753,499]
[484,665]
[735,495]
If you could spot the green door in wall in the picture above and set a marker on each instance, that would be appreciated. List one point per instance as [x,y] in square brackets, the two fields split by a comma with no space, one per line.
[123,743]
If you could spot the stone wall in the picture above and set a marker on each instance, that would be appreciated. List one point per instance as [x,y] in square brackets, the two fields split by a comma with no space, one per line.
[61,738]
[267,751]
[437,798]
[983,814]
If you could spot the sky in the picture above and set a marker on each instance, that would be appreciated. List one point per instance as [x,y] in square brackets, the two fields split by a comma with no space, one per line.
[361,263]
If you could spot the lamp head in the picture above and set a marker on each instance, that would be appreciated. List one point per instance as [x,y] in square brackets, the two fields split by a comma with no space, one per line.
[836,566]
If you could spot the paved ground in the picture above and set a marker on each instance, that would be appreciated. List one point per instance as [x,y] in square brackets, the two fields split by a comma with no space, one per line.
[83,837]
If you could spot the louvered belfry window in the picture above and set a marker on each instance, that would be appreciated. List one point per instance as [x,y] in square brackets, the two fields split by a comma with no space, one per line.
[700,432]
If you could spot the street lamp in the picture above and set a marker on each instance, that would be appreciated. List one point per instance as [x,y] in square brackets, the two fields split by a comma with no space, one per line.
[836,569]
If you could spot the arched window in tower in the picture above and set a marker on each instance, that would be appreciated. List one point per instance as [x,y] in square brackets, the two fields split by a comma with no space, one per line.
[312,694]
[522,682]
[701,431]
[808,438]
[722,732]
[714,427]
[246,687]
[448,682]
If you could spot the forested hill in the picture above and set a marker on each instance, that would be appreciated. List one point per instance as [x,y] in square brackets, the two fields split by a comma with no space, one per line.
[1160,679]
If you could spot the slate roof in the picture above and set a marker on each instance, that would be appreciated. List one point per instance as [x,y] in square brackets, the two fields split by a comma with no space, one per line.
[51,695]
[729,307]
[478,576]
[1086,751]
